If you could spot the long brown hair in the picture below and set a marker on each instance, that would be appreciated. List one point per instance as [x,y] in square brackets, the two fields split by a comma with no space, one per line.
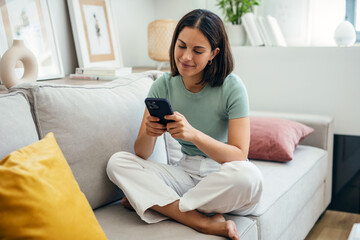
[213,29]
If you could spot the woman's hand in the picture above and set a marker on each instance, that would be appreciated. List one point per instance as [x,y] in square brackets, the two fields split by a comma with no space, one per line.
[153,127]
[180,128]
[236,148]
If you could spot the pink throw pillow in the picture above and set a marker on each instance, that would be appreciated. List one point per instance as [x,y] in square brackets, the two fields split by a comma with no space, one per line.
[275,139]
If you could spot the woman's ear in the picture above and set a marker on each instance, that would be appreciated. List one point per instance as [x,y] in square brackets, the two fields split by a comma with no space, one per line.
[214,53]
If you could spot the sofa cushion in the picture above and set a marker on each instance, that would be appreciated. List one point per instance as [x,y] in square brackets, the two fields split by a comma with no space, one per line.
[91,123]
[275,139]
[17,127]
[287,187]
[120,223]
[40,199]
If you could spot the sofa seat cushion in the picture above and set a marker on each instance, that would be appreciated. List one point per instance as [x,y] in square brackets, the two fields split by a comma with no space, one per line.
[287,187]
[91,123]
[120,223]
[17,128]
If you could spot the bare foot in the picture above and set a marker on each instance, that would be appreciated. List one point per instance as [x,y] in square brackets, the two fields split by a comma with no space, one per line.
[125,202]
[231,229]
[213,225]
[217,225]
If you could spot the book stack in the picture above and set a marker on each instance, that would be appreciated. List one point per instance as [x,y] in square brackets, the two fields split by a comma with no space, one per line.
[252,30]
[100,73]
[263,31]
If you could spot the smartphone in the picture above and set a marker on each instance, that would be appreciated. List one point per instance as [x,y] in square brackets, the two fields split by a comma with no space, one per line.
[159,107]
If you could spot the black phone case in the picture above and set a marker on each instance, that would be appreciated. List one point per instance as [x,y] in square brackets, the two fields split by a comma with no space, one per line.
[159,107]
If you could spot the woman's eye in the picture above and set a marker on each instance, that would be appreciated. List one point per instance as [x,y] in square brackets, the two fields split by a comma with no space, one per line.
[181,46]
[197,52]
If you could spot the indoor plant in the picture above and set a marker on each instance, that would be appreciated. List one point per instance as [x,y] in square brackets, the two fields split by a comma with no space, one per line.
[233,11]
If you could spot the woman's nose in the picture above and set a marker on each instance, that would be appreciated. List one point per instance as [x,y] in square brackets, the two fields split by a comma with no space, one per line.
[187,55]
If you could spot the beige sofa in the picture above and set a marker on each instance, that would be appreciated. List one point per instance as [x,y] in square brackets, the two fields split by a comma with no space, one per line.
[91,123]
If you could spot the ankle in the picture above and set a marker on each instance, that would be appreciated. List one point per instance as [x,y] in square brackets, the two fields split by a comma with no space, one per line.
[212,226]
[202,225]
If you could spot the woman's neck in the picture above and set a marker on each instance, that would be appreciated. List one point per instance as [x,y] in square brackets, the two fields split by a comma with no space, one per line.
[191,84]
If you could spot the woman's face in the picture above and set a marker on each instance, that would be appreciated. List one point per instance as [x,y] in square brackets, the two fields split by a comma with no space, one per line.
[192,53]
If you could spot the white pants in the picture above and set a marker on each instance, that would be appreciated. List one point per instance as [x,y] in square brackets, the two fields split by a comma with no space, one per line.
[198,183]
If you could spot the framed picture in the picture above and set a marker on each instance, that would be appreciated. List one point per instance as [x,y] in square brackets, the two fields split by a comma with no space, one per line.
[94,33]
[30,20]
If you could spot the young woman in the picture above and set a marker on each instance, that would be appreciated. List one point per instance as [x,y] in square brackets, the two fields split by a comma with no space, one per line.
[212,125]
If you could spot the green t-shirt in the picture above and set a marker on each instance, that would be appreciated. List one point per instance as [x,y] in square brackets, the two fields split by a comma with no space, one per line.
[208,110]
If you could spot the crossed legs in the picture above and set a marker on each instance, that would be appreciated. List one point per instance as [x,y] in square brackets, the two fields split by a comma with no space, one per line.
[218,193]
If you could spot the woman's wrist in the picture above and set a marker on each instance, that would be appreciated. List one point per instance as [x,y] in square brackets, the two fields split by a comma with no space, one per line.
[144,145]
[197,136]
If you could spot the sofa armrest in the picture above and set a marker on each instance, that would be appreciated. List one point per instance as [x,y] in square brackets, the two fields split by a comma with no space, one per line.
[323,135]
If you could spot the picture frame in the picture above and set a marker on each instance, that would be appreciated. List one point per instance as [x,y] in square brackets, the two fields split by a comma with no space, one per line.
[30,21]
[94,34]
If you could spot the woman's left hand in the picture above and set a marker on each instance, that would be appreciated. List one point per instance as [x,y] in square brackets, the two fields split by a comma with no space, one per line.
[180,128]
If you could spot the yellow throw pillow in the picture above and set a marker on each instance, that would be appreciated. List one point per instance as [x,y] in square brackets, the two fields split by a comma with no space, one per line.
[40,198]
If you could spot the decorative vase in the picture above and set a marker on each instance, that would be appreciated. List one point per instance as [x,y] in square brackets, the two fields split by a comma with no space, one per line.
[18,52]
[236,34]
[345,34]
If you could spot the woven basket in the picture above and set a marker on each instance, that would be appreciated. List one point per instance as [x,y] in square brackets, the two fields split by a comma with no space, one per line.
[160,33]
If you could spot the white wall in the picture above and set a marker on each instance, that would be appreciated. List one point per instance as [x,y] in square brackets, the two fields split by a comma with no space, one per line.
[321,80]
[317,80]
[133,17]
[306,22]
[325,16]
[173,9]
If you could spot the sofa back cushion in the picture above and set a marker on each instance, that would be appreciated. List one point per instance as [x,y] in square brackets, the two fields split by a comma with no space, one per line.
[40,199]
[90,124]
[17,128]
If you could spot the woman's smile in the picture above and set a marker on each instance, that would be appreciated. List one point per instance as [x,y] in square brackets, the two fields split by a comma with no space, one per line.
[186,65]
